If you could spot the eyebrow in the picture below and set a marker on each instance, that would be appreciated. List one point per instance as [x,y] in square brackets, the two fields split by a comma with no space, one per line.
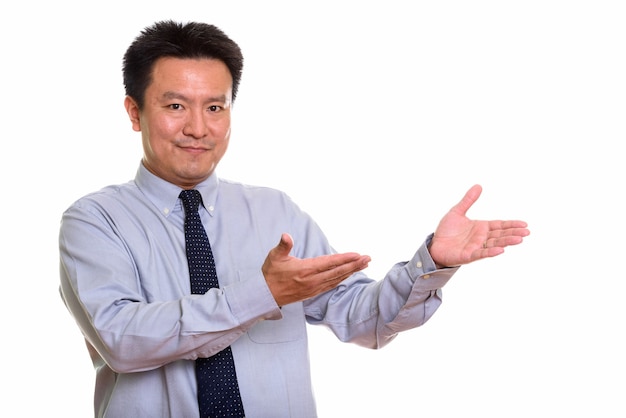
[170,95]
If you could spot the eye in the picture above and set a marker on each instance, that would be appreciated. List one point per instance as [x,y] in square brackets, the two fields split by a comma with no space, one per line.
[175,106]
[215,108]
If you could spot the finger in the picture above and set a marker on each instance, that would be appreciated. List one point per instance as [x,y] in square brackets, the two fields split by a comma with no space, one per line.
[334,264]
[509,224]
[284,245]
[508,228]
[468,200]
[340,272]
[518,232]
[505,241]
[325,263]
[332,277]
[313,282]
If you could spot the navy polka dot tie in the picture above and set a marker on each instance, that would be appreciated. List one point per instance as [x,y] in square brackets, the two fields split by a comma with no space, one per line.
[218,390]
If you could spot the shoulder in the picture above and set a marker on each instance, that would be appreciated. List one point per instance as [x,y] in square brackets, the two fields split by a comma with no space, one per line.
[258,199]
[107,197]
[250,191]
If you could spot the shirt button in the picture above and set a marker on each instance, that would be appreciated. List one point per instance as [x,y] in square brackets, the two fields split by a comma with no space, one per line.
[418,264]
[211,208]
[426,276]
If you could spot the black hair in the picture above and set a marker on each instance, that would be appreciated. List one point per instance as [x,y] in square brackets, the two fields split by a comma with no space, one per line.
[178,40]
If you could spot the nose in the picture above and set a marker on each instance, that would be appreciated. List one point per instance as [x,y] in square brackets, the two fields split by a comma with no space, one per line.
[195,125]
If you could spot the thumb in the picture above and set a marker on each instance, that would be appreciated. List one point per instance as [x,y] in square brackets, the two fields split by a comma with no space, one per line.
[468,200]
[284,246]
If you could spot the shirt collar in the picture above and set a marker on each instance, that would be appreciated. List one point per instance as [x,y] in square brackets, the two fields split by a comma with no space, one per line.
[164,195]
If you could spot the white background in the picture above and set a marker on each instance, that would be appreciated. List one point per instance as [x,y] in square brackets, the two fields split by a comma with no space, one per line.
[375,117]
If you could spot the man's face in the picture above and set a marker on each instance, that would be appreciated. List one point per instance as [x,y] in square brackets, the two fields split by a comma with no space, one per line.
[185,123]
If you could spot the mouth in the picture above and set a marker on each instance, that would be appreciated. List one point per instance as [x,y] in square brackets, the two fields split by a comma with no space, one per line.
[194,149]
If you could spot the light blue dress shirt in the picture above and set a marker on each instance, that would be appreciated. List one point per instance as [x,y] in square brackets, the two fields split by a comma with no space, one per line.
[125,280]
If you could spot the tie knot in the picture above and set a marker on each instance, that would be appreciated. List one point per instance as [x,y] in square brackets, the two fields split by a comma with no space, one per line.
[191,200]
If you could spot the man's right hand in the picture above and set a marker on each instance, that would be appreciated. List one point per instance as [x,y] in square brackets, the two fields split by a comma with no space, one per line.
[292,279]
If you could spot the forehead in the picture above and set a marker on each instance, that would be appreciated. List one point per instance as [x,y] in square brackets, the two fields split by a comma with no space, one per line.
[198,73]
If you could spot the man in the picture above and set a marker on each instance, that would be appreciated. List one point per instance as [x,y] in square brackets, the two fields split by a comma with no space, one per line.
[126,262]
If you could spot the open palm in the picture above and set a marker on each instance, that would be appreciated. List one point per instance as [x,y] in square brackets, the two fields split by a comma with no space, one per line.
[459,240]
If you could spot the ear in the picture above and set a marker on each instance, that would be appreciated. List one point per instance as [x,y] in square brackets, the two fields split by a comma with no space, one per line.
[133,113]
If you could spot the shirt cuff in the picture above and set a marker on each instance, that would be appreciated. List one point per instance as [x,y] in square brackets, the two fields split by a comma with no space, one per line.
[250,298]
[422,269]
